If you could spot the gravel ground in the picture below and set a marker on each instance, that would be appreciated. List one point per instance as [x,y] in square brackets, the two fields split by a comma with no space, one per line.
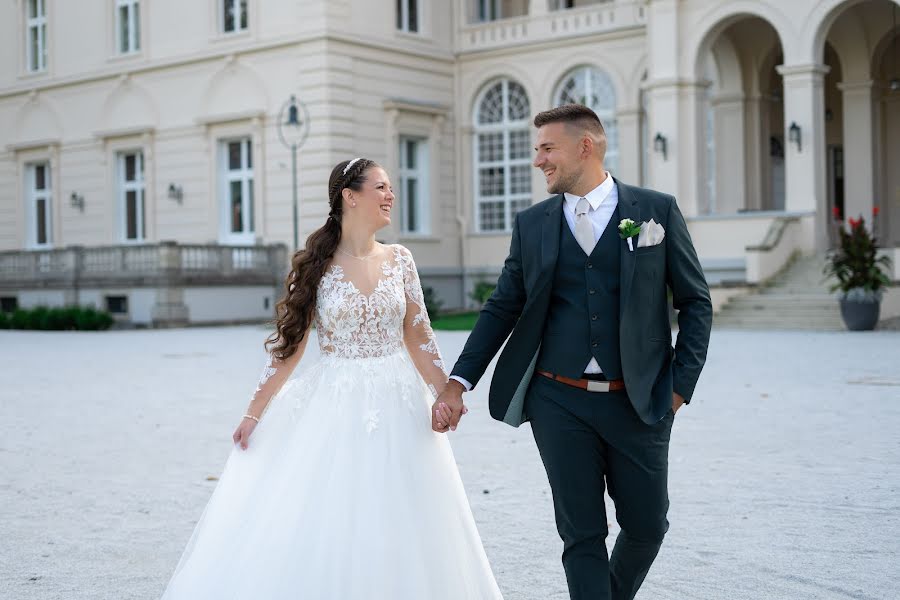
[784,470]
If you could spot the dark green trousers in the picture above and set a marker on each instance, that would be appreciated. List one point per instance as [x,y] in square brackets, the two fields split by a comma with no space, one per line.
[587,441]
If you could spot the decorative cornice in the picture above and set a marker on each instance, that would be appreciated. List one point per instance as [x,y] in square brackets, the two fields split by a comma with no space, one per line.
[242,115]
[33,144]
[416,106]
[125,131]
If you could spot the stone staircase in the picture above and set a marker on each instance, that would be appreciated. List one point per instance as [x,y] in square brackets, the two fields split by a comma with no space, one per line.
[796,298]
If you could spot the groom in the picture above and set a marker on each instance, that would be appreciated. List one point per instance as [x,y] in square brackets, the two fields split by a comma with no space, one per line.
[590,361]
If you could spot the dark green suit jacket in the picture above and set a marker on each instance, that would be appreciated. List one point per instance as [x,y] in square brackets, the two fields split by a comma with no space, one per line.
[652,368]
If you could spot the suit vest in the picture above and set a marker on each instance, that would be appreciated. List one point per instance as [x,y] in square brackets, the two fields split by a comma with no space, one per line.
[583,318]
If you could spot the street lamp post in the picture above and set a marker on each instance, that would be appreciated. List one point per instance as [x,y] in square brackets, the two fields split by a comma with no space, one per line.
[292,131]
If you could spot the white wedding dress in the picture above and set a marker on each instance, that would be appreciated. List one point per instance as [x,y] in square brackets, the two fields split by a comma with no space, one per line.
[345,492]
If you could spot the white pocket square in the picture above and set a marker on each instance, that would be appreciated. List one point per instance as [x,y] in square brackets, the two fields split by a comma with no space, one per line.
[652,234]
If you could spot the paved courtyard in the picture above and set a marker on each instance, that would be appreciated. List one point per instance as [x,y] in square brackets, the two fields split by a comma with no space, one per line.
[785,470]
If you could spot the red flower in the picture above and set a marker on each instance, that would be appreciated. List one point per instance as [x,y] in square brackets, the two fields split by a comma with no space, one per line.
[854,223]
[836,212]
[875,211]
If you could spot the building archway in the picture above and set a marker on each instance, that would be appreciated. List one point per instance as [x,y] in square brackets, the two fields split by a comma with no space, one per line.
[859,41]
[742,115]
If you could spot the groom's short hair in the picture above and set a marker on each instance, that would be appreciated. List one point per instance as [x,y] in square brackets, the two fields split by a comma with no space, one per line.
[574,114]
[578,118]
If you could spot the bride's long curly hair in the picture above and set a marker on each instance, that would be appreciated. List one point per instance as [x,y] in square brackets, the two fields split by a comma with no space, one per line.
[295,311]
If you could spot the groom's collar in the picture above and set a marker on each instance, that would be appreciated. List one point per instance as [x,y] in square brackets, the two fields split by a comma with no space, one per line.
[596,196]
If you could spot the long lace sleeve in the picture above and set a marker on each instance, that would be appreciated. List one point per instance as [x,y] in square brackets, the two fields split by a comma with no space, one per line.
[417,333]
[275,373]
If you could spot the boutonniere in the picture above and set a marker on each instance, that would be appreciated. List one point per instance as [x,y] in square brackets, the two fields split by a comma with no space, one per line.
[627,230]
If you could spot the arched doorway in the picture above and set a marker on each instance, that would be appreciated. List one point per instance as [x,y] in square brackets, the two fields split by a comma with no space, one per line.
[887,75]
[742,115]
[858,40]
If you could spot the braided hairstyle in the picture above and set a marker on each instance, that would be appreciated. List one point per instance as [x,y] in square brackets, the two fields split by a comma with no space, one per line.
[295,311]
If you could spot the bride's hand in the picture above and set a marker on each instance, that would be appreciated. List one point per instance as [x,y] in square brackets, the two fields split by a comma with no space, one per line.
[242,433]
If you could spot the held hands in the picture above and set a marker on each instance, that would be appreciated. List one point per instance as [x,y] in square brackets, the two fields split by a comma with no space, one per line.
[244,429]
[448,409]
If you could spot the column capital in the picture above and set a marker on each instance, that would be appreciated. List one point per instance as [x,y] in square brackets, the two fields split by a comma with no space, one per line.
[854,86]
[813,69]
[676,83]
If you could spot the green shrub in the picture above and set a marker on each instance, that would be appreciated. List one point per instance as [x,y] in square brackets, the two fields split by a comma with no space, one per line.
[71,316]
[482,292]
[61,319]
[38,318]
[19,319]
[57,319]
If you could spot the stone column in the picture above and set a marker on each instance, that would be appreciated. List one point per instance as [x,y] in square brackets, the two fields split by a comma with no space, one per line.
[730,150]
[859,149]
[756,151]
[628,121]
[804,104]
[675,114]
[169,309]
[674,111]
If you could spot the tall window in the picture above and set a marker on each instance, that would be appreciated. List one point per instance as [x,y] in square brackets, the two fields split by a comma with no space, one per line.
[234,15]
[131,196]
[414,185]
[592,88]
[237,177]
[502,155]
[408,15]
[39,208]
[488,10]
[36,35]
[128,26]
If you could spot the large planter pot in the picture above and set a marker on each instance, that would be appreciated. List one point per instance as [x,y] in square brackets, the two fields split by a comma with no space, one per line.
[860,316]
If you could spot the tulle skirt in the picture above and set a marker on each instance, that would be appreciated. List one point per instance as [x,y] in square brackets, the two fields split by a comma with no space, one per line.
[344,493]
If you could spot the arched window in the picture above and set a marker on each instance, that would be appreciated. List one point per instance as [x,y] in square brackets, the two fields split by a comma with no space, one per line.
[502,155]
[592,88]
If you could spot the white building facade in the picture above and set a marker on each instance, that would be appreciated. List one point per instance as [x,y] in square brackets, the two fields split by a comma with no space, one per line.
[125,124]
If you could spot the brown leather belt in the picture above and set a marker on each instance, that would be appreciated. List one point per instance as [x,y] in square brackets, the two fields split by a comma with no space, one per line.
[587,384]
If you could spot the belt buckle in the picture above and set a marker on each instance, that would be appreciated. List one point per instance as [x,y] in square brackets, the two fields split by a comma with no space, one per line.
[597,386]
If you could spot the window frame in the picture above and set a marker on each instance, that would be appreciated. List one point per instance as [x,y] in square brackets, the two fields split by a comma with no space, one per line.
[506,127]
[244,174]
[608,115]
[38,24]
[138,185]
[403,17]
[135,38]
[221,6]
[487,11]
[419,174]
[32,197]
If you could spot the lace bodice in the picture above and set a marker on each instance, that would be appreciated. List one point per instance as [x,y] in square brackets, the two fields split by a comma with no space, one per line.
[351,323]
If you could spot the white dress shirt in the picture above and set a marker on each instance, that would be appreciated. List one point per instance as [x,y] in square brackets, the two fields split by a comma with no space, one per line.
[603,200]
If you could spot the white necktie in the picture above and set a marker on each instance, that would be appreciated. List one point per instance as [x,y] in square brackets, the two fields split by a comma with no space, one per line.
[584,229]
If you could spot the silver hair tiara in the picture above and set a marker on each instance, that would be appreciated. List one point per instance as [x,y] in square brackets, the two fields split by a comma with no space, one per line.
[350,164]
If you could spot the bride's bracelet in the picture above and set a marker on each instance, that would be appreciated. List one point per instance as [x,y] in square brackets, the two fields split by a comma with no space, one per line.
[249,416]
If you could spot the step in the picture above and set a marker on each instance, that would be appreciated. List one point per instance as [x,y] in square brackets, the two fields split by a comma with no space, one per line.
[798,323]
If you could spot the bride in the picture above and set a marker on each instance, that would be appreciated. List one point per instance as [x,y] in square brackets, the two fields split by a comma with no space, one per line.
[338,488]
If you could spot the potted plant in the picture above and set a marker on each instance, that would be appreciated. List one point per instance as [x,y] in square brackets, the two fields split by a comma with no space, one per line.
[858,270]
